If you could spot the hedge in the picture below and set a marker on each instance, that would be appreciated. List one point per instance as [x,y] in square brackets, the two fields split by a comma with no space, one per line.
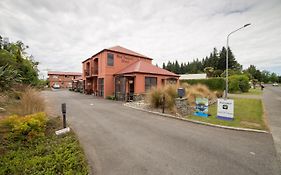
[215,84]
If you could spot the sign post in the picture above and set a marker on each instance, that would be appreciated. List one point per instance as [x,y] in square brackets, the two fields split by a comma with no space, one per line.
[225,110]
[63,110]
[65,129]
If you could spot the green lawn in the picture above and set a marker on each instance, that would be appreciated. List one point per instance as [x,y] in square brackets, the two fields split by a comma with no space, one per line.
[47,155]
[248,113]
[252,91]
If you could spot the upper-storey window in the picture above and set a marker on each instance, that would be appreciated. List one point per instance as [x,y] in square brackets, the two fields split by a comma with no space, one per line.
[110,59]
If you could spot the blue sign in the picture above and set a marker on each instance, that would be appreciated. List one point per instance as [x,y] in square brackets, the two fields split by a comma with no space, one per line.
[201,109]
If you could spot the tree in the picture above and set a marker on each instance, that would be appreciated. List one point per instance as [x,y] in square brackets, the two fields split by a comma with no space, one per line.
[209,71]
[8,77]
[232,63]
[273,77]
[164,66]
[265,76]
[14,56]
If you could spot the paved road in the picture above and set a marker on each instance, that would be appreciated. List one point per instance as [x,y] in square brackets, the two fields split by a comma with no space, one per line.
[272,101]
[123,141]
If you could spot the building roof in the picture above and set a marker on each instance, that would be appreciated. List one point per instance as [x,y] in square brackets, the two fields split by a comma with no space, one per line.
[119,49]
[192,76]
[64,73]
[126,51]
[144,67]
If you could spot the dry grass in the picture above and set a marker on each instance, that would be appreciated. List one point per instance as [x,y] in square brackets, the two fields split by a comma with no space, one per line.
[30,102]
[155,96]
[198,90]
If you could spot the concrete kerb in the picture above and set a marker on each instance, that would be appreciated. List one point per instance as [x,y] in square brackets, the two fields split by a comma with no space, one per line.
[198,122]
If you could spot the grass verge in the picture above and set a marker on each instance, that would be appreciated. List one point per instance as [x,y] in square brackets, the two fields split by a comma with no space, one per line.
[252,91]
[49,154]
[248,113]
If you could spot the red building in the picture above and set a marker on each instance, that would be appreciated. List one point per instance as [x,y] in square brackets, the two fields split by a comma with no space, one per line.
[63,79]
[123,73]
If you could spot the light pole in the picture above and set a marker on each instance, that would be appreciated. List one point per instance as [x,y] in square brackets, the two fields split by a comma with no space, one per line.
[226,66]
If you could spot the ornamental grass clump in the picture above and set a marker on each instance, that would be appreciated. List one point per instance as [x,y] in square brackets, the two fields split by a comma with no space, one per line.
[155,96]
[30,102]
[198,90]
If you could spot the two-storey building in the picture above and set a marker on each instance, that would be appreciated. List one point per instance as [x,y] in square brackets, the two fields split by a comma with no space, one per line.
[63,79]
[120,72]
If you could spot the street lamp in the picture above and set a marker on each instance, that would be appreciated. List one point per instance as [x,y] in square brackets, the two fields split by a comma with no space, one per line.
[226,69]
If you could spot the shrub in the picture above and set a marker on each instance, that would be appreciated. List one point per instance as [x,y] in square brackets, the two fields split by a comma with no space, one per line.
[239,83]
[30,102]
[24,128]
[211,83]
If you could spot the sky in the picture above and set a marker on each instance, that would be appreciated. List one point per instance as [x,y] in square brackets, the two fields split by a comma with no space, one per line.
[61,34]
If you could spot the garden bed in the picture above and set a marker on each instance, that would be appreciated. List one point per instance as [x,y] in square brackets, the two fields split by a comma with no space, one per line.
[47,154]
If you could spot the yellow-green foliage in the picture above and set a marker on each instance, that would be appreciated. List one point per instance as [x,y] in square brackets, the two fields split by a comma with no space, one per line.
[24,128]
[31,102]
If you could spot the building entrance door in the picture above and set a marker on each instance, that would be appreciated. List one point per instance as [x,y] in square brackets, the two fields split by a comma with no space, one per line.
[131,89]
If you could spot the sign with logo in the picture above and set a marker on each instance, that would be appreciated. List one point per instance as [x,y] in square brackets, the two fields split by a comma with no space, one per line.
[225,109]
[201,109]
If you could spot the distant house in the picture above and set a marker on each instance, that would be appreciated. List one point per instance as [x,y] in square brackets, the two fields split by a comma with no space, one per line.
[122,73]
[192,76]
[63,79]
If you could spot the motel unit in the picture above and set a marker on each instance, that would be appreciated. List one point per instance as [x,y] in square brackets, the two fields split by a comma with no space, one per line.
[123,73]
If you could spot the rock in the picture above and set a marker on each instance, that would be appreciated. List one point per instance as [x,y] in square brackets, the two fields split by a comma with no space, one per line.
[182,107]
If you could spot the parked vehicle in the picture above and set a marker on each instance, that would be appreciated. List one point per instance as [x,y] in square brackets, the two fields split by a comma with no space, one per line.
[56,86]
[275,84]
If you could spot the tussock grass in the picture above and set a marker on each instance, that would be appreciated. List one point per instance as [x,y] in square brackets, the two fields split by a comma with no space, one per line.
[155,96]
[30,102]
[198,90]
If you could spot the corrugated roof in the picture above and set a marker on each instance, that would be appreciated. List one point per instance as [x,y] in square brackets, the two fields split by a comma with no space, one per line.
[64,73]
[144,67]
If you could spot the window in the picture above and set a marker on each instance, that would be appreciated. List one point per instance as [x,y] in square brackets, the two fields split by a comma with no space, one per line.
[171,81]
[150,82]
[110,59]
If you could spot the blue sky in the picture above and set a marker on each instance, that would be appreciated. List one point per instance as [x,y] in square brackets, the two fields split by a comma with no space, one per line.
[61,34]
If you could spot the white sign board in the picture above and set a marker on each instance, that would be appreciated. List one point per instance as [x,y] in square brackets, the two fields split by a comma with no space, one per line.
[225,109]
[62,131]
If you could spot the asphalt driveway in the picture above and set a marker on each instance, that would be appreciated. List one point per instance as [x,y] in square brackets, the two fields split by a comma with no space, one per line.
[122,141]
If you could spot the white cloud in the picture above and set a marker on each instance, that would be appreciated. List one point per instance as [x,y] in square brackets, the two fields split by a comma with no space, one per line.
[64,33]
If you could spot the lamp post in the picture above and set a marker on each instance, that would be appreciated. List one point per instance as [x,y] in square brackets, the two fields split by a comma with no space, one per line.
[226,66]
